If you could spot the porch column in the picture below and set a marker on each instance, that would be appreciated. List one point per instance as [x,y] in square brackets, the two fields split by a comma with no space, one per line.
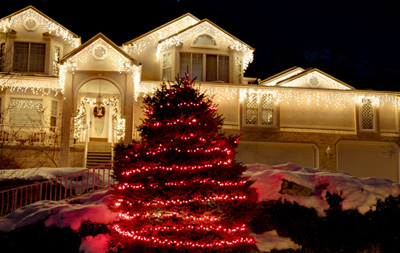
[66,121]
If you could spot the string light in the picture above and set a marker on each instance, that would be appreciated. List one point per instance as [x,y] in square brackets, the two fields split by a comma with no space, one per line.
[43,87]
[304,81]
[165,203]
[186,243]
[200,227]
[175,167]
[168,214]
[117,120]
[208,28]
[26,104]
[283,77]
[184,183]
[6,24]
[139,45]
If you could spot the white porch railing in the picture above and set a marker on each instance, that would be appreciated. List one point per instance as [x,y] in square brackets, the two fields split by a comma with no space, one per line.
[72,185]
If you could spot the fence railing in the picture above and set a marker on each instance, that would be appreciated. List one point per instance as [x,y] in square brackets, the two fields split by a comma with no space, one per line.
[68,186]
[29,134]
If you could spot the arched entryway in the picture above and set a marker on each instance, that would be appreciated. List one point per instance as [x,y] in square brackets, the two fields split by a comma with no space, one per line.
[98,123]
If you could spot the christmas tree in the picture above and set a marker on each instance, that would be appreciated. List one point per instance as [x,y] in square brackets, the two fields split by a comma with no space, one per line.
[180,190]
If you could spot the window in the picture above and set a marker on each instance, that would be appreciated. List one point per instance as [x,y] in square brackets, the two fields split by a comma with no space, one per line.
[2,54]
[25,112]
[259,109]
[29,57]
[367,117]
[205,40]
[167,65]
[205,67]
[56,59]
[238,70]
[53,116]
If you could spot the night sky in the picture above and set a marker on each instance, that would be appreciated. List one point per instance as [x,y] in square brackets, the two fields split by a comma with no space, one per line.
[368,30]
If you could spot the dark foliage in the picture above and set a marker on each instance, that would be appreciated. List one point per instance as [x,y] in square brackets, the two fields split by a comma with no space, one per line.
[39,238]
[338,231]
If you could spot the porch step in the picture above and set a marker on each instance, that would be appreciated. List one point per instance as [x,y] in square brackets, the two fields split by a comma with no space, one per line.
[98,153]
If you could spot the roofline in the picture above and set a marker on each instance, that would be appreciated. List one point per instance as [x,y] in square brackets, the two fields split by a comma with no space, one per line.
[160,27]
[280,73]
[305,72]
[41,13]
[87,43]
[212,23]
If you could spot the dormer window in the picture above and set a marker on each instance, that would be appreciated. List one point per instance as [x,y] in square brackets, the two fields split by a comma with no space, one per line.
[205,40]
[29,57]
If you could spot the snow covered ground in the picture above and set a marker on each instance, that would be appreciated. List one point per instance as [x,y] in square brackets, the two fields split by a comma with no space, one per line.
[359,194]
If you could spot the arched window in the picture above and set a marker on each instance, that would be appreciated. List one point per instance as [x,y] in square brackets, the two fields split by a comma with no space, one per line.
[205,40]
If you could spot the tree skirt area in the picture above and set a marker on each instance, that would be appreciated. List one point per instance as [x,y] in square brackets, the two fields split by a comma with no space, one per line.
[296,205]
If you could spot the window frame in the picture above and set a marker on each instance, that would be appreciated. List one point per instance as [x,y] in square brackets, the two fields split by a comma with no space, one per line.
[361,114]
[192,44]
[163,68]
[28,60]
[204,65]
[260,109]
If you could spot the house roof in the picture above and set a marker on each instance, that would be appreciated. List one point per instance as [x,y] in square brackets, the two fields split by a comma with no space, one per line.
[212,24]
[281,74]
[161,27]
[93,39]
[310,70]
[30,7]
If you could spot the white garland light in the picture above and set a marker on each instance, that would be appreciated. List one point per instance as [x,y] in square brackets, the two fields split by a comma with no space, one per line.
[6,24]
[208,28]
[117,120]
[283,77]
[26,104]
[17,83]
[143,43]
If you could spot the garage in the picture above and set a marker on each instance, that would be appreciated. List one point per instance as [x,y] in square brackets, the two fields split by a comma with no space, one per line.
[369,159]
[272,153]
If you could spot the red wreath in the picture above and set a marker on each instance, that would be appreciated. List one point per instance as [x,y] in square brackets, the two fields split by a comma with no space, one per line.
[99,111]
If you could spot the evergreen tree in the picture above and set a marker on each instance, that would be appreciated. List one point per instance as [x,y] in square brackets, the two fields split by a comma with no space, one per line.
[180,190]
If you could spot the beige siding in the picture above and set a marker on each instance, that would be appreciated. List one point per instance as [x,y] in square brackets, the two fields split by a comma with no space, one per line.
[313,115]
[388,118]
[369,159]
[277,153]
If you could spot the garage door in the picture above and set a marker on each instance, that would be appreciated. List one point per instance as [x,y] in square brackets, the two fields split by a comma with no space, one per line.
[277,153]
[369,159]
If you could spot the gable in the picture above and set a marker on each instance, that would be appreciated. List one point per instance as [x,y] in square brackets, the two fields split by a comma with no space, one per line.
[31,19]
[273,80]
[98,53]
[141,43]
[207,27]
[314,78]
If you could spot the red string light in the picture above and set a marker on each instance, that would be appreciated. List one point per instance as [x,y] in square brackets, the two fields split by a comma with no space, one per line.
[181,243]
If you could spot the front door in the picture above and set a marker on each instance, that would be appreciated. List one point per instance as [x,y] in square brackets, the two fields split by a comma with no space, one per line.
[99,122]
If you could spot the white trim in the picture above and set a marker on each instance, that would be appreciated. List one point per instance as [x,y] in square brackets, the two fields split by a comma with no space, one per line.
[374,117]
[201,45]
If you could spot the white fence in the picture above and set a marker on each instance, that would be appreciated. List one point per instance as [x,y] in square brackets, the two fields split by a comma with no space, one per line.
[72,185]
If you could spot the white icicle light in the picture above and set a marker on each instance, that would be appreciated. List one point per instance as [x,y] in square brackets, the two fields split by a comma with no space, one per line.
[51,27]
[208,28]
[141,44]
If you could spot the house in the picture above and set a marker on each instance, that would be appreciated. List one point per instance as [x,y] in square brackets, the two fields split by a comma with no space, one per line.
[77,100]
